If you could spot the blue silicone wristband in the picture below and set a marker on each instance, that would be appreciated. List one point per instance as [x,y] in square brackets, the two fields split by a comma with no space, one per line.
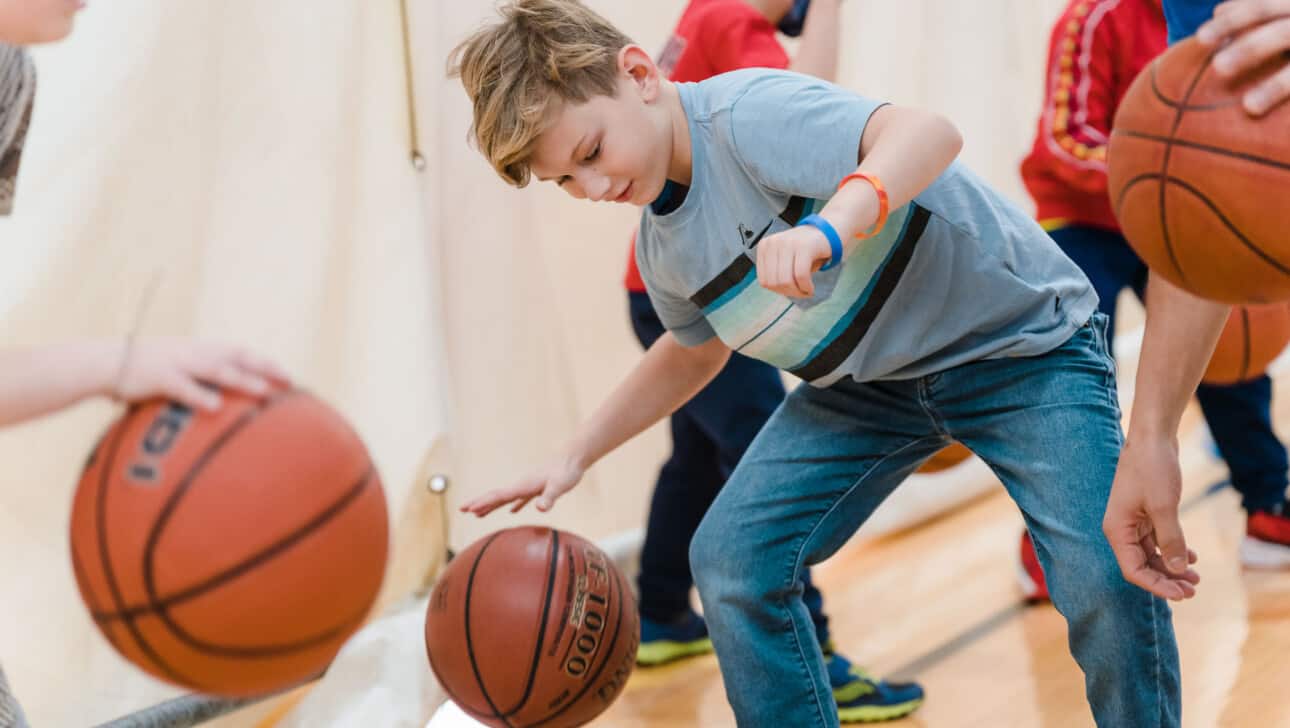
[835,241]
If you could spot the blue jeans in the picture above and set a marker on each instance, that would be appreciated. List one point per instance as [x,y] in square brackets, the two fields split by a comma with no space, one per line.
[710,433]
[1049,427]
[1239,415]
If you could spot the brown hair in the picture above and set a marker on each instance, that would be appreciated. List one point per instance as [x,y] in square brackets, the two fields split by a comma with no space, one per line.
[519,69]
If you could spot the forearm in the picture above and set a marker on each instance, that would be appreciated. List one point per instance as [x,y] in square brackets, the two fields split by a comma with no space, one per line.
[906,151]
[1181,331]
[667,377]
[39,381]
[817,51]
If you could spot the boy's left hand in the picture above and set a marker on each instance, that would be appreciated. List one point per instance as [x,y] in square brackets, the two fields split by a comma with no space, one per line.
[1259,31]
[1141,520]
[786,260]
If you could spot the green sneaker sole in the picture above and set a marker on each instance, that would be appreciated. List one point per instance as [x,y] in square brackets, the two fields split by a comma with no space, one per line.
[663,651]
[877,713]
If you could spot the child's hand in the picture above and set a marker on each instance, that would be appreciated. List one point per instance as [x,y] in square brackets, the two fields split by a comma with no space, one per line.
[1259,31]
[1141,520]
[176,368]
[786,260]
[546,485]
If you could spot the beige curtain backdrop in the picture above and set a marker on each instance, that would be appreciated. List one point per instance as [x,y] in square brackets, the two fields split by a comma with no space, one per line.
[252,158]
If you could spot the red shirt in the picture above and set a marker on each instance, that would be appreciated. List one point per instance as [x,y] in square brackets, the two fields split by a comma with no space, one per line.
[713,37]
[1097,49]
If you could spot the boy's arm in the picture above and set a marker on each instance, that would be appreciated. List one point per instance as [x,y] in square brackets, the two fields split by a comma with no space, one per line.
[40,381]
[1141,520]
[1259,31]
[817,49]
[667,377]
[906,149]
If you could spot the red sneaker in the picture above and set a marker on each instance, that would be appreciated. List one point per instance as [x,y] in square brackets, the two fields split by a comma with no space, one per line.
[1029,573]
[1267,539]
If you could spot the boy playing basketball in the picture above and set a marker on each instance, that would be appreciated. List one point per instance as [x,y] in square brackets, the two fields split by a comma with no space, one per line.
[954,317]
[711,432]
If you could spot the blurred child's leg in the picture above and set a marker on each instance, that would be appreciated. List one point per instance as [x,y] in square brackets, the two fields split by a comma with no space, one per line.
[1049,426]
[1240,418]
[824,462]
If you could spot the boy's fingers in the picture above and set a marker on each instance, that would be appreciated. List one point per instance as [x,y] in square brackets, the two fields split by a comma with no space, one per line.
[1253,48]
[1233,17]
[193,395]
[232,376]
[1169,537]
[1272,92]
[262,366]
[784,271]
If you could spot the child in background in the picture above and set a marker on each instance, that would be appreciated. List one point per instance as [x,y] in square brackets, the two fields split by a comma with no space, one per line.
[1097,50]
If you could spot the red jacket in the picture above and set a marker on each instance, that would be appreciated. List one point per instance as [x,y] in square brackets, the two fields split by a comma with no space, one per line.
[1097,49]
[713,37]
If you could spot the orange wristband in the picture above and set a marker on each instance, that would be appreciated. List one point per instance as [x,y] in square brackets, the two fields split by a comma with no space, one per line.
[883,203]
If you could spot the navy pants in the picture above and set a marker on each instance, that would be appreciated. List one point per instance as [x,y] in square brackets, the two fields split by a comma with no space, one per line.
[709,435]
[1239,415]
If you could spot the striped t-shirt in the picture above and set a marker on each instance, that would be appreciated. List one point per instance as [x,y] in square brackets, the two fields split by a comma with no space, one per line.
[17,86]
[958,275]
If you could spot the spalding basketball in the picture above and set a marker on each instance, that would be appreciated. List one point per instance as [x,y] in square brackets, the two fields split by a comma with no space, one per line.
[532,627]
[1252,338]
[947,458]
[1198,185]
[230,552]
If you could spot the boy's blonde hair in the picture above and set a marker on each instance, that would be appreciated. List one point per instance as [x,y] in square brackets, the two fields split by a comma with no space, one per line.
[520,69]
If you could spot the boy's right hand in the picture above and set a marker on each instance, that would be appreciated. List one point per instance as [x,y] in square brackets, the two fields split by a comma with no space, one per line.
[1259,32]
[546,485]
[177,368]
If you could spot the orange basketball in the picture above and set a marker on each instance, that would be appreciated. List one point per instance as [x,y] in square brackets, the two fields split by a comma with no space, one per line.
[1198,185]
[230,552]
[947,458]
[532,627]
[1252,338]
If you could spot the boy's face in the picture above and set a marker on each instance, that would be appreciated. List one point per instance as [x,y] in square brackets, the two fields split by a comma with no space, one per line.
[25,22]
[611,149]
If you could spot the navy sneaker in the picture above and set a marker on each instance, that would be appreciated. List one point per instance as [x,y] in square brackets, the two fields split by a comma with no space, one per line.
[865,699]
[663,642]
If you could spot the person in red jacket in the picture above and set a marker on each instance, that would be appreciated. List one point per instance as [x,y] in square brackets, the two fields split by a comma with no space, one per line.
[712,431]
[1098,47]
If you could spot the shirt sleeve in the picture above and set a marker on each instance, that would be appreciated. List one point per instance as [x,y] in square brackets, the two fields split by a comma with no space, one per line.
[798,135]
[1080,98]
[1186,16]
[737,39]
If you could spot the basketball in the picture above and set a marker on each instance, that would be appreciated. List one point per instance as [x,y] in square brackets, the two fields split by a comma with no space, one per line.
[230,552]
[947,458]
[1198,185]
[1251,339]
[532,626]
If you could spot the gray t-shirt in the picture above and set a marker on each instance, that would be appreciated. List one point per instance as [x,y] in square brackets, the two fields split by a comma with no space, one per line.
[958,275]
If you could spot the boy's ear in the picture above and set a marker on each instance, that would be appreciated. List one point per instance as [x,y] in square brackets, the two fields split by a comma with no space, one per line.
[639,68]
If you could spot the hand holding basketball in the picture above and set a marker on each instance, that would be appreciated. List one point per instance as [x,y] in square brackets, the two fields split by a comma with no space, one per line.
[1259,31]
[546,485]
[175,368]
